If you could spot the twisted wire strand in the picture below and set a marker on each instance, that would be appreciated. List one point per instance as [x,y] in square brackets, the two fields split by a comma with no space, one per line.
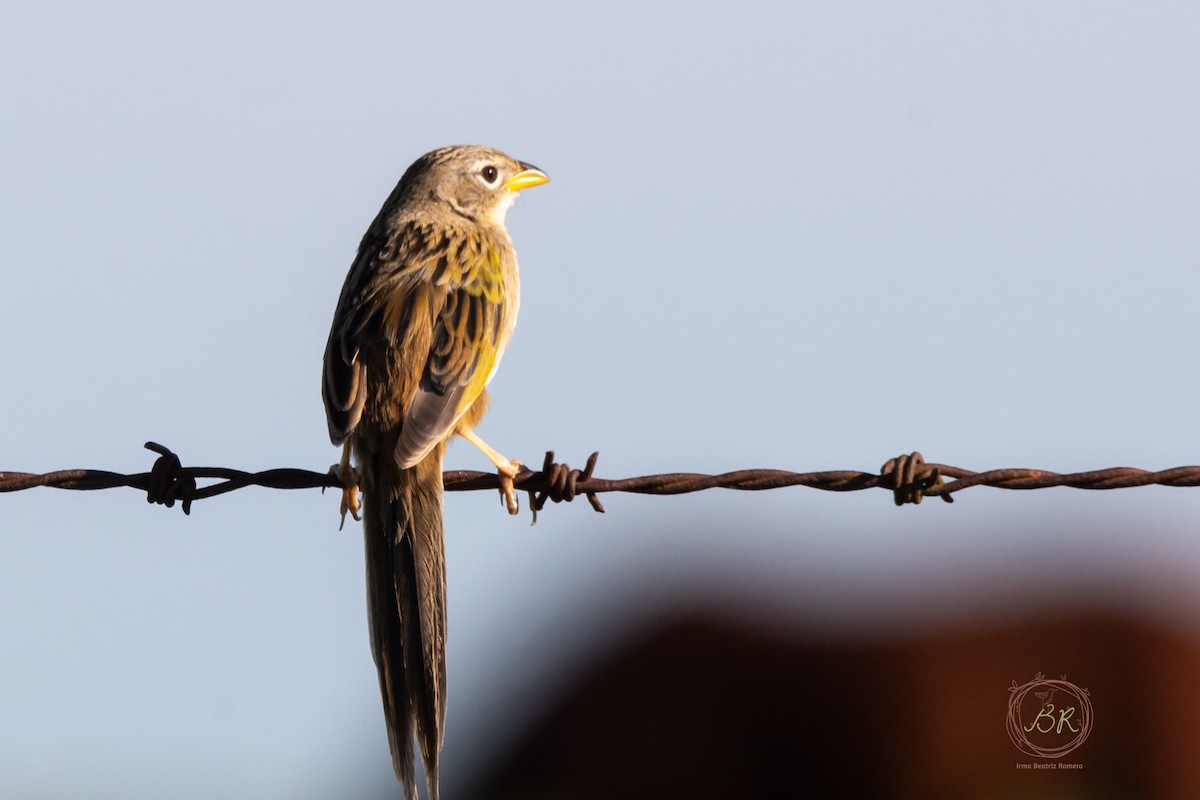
[908,477]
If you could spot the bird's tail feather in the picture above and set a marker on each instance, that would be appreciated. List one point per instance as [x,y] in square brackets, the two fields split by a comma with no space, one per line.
[406,596]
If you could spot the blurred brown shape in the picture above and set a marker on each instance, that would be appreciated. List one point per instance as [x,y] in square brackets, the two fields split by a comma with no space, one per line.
[701,707]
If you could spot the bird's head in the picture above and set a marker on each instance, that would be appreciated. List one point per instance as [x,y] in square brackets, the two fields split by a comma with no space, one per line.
[472,181]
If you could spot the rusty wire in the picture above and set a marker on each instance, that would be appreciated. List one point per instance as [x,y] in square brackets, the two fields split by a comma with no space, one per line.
[908,477]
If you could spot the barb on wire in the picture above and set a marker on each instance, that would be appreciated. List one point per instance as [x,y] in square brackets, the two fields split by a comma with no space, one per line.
[908,477]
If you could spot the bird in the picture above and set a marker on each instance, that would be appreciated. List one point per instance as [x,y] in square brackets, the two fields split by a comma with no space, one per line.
[422,321]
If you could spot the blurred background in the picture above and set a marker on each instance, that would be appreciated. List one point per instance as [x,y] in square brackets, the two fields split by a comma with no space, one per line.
[803,236]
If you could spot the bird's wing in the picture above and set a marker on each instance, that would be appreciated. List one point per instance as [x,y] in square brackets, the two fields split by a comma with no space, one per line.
[435,295]
[378,299]
[463,351]
[342,387]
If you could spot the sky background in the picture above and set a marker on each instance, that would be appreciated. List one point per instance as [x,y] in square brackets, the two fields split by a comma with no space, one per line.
[803,236]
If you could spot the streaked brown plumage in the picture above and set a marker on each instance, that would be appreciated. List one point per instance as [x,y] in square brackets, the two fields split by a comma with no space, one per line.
[422,322]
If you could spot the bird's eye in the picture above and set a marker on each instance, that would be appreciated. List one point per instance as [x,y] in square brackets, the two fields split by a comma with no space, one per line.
[489,173]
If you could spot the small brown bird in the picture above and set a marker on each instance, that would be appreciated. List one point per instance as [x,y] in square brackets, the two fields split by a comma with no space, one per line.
[422,322]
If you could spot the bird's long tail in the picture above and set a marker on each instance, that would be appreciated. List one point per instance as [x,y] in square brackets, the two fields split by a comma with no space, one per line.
[406,598]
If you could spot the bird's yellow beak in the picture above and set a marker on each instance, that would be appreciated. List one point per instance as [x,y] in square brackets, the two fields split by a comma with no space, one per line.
[530,176]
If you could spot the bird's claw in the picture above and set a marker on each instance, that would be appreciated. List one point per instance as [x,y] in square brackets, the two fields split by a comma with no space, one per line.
[350,504]
[506,472]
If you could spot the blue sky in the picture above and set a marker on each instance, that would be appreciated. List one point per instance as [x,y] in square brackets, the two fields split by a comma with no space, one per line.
[805,237]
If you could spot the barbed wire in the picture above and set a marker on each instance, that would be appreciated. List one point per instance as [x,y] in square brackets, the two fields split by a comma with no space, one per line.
[908,477]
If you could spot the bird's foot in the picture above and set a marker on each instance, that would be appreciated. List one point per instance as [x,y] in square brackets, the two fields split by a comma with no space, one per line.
[350,504]
[507,470]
